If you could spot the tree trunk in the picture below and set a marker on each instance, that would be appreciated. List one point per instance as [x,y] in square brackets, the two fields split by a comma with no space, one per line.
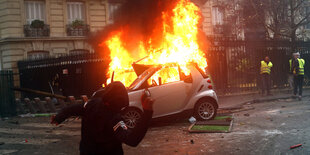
[293,40]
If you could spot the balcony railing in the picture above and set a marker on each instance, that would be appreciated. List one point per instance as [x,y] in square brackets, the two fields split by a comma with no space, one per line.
[218,29]
[37,32]
[81,30]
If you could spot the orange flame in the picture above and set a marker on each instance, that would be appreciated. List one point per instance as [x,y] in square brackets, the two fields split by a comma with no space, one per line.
[178,44]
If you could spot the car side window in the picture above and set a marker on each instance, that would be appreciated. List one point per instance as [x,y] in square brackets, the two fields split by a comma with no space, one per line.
[164,76]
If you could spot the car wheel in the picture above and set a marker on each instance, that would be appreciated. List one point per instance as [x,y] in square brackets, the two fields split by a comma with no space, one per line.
[205,110]
[131,117]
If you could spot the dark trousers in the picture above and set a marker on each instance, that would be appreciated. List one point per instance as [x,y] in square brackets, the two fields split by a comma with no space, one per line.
[265,83]
[298,81]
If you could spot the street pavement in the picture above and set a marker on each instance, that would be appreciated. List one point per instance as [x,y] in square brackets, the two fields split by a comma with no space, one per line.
[267,128]
[237,100]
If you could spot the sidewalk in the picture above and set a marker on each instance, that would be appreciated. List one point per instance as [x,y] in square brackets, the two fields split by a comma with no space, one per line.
[236,101]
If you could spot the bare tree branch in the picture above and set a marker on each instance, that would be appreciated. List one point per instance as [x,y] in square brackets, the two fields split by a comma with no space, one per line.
[298,5]
[301,21]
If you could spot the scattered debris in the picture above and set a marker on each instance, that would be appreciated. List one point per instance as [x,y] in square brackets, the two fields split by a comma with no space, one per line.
[5,118]
[192,120]
[13,122]
[273,132]
[247,114]
[192,141]
[295,146]
[220,124]
[2,143]
[37,115]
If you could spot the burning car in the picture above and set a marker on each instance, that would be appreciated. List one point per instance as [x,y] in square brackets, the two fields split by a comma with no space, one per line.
[173,94]
[170,37]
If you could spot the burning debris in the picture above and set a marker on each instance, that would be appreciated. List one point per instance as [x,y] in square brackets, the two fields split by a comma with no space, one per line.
[154,32]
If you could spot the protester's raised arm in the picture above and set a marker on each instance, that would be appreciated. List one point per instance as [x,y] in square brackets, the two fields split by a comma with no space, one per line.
[71,110]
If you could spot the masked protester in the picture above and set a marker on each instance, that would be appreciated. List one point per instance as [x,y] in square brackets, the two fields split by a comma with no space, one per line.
[103,130]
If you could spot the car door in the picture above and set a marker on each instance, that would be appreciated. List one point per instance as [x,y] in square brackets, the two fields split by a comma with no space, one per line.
[170,96]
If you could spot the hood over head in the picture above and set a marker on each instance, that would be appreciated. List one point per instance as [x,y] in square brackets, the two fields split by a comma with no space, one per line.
[115,94]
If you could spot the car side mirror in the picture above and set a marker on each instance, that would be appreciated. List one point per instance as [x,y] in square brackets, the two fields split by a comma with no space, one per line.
[188,79]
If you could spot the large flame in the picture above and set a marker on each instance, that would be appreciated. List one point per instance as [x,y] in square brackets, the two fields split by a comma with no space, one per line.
[178,43]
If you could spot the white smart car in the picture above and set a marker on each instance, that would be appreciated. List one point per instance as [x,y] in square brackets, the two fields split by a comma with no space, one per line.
[191,94]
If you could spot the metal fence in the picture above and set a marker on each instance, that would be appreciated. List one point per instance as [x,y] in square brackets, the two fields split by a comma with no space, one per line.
[69,76]
[234,64]
[7,98]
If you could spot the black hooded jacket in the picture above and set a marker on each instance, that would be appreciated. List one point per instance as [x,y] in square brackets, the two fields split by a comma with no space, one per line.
[99,133]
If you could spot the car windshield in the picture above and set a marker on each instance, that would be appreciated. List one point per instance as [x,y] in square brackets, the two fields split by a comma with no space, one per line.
[142,77]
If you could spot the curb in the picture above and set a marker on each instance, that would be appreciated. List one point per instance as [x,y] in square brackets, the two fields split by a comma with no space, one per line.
[271,99]
[257,91]
[253,101]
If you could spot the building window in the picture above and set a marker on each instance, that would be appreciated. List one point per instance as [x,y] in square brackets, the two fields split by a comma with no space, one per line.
[76,11]
[217,16]
[35,55]
[34,10]
[112,8]
[76,19]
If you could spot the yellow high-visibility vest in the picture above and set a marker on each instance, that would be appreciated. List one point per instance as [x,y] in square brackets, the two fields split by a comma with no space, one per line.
[265,68]
[301,63]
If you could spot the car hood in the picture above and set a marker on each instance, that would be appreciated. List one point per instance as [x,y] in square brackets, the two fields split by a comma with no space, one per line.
[140,68]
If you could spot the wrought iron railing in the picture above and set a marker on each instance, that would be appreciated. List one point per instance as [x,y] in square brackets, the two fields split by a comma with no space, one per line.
[37,32]
[82,30]
[218,29]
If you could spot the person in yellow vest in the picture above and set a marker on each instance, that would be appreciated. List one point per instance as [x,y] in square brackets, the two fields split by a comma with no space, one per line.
[290,74]
[265,71]
[299,72]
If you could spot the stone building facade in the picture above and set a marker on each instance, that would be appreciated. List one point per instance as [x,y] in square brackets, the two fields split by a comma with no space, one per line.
[56,36]
[34,29]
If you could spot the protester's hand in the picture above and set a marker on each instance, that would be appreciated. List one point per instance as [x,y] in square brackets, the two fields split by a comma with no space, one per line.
[147,103]
[53,121]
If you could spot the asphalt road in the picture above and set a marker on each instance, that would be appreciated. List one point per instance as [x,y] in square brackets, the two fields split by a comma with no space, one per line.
[269,128]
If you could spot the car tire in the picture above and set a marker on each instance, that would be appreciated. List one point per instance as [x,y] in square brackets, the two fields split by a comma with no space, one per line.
[131,116]
[203,108]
